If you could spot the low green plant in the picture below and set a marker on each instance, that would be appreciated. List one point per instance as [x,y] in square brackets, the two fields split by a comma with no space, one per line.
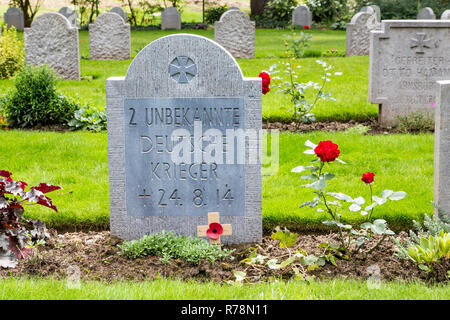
[297,44]
[12,53]
[169,246]
[35,101]
[416,122]
[89,118]
[333,53]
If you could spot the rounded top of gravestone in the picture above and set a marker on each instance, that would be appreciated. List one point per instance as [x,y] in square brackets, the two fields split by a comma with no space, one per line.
[445,15]
[367,9]
[426,14]
[50,18]
[13,10]
[184,59]
[233,14]
[109,18]
[171,10]
[120,12]
[303,7]
[233,8]
[66,11]
[366,19]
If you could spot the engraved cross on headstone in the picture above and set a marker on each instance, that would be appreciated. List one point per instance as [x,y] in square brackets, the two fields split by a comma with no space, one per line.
[182,69]
[420,43]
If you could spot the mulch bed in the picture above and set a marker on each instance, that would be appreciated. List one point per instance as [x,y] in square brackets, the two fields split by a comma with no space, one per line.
[96,256]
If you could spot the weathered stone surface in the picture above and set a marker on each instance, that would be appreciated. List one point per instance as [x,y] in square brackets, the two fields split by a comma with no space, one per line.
[170,19]
[188,72]
[302,16]
[442,147]
[109,38]
[406,58]
[445,15]
[426,14]
[358,33]
[236,33]
[13,17]
[70,15]
[373,9]
[51,40]
[120,12]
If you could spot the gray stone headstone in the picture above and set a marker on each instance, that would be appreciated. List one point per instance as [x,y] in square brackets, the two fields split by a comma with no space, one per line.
[13,17]
[236,33]
[302,16]
[70,15]
[373,9]
[170,19]
[407,57]
[51,40]
[120,12]
[426,14]
[109,38]
[442,147]
[358,33]
[172,153]
[445,15]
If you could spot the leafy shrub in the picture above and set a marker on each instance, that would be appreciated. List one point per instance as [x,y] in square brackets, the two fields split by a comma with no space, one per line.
[89,118]
[405,9]
[329,11]
[12,53]
[416,122]
[276,14]
[170,246]
[35,100]
[213,14]
[17,233]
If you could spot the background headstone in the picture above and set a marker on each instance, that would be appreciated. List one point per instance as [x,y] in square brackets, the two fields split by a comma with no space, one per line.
[445,15]
[426,14]
[374,9]
[302,16]
[407,57]
[120,12]
[358,33]
[172,82]
[170,19]
[51,40]
[109,38]
[236,33]
[70,15]
[442,147]
[13,17]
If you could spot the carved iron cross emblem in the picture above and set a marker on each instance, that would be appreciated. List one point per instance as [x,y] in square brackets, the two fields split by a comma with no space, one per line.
[420,43]
[182,69]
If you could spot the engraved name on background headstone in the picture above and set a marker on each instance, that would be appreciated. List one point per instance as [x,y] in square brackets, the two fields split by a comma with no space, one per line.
[236,33]
[120,12]
[51,40]
[170,19]
[109,38]
[70,15]
[407,57]
[426,14]
[172,152]
[301,16]
[442,147]
[13,17]
[358,33]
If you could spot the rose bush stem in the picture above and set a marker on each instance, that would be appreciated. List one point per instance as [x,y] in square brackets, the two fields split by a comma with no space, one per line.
[377,244]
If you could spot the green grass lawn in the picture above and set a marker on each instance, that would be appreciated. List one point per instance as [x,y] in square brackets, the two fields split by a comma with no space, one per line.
[78,162]
[350,89]
[41,289]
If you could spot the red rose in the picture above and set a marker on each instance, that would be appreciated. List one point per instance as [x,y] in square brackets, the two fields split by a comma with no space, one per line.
[368,177]
[306,27]
[265,82]
[214,231]
[327,151]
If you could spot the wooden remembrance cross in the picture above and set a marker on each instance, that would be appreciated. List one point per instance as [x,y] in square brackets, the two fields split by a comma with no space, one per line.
[214,230]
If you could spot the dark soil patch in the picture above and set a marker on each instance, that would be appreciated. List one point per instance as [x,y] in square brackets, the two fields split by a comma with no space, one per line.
[96,256]
[327,126]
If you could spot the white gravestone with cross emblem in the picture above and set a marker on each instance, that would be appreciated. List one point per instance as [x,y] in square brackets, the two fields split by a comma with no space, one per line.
[183,140]
[407,57]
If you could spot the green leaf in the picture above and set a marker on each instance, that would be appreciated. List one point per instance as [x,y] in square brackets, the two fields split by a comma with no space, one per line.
[273,264]
[310,144]
[287,238]
[399,195]
[239,275]
[341,196]
[301,169]
[309,177]
[327,176]
[354,208]
[386,193]
[424,267]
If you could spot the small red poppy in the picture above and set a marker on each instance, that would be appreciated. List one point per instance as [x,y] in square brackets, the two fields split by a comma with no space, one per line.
[306,27]
[214,231]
